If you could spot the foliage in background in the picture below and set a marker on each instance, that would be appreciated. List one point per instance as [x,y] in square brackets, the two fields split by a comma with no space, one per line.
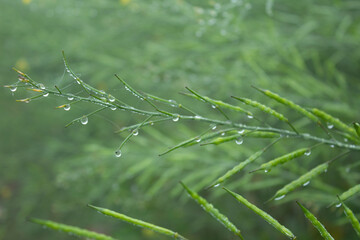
[307,51]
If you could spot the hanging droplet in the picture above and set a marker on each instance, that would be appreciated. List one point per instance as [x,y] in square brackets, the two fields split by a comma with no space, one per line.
[113,108]
[332,145]
[197,117]
[41,86]
[67,107]
[111,98]
[151,123]
[46,94]
[239,141]
[279,198]
[346,140]
[213,106]
[307,183]
[118,153]
[250,116]
[223,134]
[216,185]
[126,88]
[135,132]
[307,153]
[267,170]
[338,205]
[241,131]
[173,103]
[175,119]
[198,140]
[84,120]
[70,98]
[330,126]
[13,89]
[213,127]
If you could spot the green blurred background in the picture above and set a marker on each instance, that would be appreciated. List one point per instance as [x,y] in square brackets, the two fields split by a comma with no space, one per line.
[306,50]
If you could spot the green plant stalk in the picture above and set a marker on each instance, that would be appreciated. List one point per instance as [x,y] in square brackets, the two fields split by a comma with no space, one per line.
[272,221]
[213,211]
[138,222]
[318,225]
[71,229]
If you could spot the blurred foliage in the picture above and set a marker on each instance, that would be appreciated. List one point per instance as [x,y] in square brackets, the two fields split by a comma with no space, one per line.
[307,51]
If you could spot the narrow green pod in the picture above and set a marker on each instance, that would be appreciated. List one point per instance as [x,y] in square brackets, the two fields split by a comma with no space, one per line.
[352,218]
[272,221]
[350,192]
[240,166]
[213,211]
[71,229]
[138,222]
[334,121]
[322,230]
[265,109]
[357,128]
[283,159]
[301,181]
[247,134]
[290,104]
[220,104]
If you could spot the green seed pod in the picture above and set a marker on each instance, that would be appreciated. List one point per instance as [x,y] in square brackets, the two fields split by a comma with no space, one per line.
[357,128]
[352,218]
[290,104]
[266,109]
[350,192]
[71,229]
[302,180]
[213,211]
[283,159]
[138,222]
[334,121]
[263,214]
[322,230]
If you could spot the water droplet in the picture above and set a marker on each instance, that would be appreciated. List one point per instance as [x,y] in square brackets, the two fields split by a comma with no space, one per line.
[46,94]
[239,141]
[135,132]
[70,98]
[117,153]
[325,171]
[197,117]
[41,86]
[307,153]
[126,88]
[223,134]
[346,140]
[13,89]
[175,119]
[213,127]
[151,123]
[307,183]
[213,106]
[279,198]
[111,98]
[84,120]
[67,107]
[216,185]
[113,108]
[330,126]
[241,131]
[250,116]
[198,140]
[338,205]
[332,145]
[267,170]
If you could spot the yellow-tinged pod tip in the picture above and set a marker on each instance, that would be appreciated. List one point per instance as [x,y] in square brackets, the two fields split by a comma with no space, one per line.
[61,106]
[35,89]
